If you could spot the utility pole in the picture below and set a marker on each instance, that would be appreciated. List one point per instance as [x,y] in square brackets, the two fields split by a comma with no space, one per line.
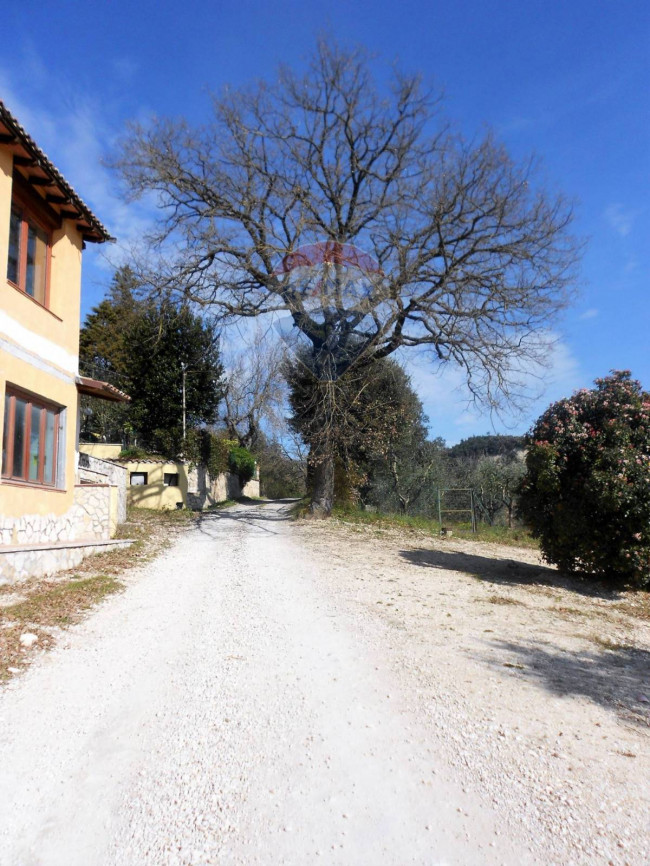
[184,370]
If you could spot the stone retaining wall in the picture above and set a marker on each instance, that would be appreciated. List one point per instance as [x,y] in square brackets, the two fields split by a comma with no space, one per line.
[88,518]
[97,470]
[41,561]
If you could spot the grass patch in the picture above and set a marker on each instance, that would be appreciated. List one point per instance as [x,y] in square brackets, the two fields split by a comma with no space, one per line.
[58,604]
[224,503]
[503,599]
[607,643]
[49,603]
[55,604]
[151,531]
[580,613]
[300,508]
[517,537]
[637,604]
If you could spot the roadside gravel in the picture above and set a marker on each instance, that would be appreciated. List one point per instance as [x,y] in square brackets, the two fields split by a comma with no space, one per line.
[273,693]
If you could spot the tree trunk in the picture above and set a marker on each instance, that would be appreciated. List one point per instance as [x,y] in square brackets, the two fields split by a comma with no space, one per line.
[322,490]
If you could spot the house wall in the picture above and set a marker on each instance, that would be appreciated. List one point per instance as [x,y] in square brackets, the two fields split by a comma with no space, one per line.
[39,353]
[44,529]
[196,490]
[154,494]
[102,450]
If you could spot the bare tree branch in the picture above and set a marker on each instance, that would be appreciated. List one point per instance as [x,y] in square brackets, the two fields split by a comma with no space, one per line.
[473,258]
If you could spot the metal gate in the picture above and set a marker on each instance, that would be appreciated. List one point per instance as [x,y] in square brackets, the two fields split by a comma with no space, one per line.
[454,501]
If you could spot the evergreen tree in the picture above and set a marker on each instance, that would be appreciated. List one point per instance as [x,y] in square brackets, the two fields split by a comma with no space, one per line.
[149,349]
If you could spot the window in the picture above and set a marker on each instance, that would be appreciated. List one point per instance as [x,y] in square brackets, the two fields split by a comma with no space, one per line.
[29,247]
[170,479]
[139,479]
[30,439]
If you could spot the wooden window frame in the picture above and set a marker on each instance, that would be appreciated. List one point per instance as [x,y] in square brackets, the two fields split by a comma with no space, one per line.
[31,211]
[39,403]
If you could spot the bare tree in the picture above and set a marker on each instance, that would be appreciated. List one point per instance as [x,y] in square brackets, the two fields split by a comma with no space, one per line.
[255,391]
[463,253]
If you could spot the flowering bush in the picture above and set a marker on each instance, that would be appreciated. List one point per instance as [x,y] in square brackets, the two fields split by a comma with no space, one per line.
[586,493]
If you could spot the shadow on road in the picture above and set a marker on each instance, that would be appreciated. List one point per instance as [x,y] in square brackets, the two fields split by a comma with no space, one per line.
[614,676]
[253,512]
[506,571]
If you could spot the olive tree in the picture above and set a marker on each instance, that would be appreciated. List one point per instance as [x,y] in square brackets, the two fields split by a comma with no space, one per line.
[358,215]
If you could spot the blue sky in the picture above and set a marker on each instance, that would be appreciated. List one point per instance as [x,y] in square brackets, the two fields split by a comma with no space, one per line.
[568,81]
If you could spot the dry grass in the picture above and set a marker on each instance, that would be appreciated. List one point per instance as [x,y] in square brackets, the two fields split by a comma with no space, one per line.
[43,606]
[503,599]
[59,603]
[636,604]
[51,605]
[517,537]
[609,644]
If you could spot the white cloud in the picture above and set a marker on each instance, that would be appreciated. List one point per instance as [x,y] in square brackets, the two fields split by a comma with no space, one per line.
[620,219]
[454,416]
[591,313]
[631,266]
[76,132]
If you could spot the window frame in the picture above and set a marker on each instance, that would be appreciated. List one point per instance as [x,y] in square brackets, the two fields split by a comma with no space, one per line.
[145,475]
[167,482]
[31,211]
[32,400]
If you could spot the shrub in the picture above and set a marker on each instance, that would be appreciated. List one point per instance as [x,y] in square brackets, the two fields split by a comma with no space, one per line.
[586,493]
[242,463]
[134,452]
[211,449]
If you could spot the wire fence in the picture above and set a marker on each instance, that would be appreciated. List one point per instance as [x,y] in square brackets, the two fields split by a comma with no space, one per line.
[456,505]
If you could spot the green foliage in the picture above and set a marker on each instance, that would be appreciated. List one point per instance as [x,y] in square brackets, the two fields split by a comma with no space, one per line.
[586,494]
[133,452]
[216,453]
[281,477]
[210,449]
[242,463]
[487,446]
[372,422]
[519,537]
[147,349]
[495,482]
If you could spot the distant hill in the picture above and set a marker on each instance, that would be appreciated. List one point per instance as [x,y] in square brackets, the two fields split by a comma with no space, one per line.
[487,446]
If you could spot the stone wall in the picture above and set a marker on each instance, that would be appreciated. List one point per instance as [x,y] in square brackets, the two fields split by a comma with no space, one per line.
[87,519]
[91,511]
[96,470]
[39,545]
[203,490]
[42,560]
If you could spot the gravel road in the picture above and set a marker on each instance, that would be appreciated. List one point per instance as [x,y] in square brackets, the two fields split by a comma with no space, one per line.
[231,707]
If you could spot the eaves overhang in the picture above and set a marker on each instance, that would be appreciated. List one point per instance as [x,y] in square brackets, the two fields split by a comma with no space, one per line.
[41,174]
[103,390]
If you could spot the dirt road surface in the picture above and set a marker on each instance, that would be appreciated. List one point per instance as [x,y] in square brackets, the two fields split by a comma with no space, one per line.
[275,693]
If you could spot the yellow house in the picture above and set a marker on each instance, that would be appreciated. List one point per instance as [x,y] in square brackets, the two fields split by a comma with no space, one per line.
[47,516]
[168,484]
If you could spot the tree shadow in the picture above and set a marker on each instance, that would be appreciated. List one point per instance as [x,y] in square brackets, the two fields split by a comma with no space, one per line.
[507,571]
[212,523]
[614,676]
